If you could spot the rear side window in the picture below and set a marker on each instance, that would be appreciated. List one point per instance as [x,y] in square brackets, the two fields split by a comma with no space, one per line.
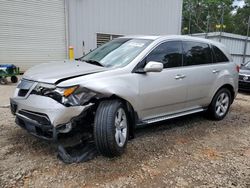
[168,53]
[219,55]
[196,53]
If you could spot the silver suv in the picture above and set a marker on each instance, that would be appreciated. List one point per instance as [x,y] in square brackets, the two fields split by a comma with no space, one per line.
[127,82]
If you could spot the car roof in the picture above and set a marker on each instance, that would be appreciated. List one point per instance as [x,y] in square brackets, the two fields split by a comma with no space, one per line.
[174,37]
[148,37]
[181,37]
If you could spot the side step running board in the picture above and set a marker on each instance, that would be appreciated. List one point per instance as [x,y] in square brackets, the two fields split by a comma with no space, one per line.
[166,117]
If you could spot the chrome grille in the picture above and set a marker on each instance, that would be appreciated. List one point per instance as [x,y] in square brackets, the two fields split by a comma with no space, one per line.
[245,78]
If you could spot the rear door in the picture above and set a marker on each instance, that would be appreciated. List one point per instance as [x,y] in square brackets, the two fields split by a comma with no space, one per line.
[164,92]
[201,73]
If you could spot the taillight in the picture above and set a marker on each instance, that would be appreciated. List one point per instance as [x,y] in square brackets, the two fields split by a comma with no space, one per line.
[238,68]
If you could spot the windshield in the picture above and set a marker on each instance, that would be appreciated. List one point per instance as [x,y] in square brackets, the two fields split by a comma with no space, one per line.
[247,64]
[116,53]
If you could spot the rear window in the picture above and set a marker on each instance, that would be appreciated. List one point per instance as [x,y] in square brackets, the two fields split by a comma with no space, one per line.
[197,53]
[219,55]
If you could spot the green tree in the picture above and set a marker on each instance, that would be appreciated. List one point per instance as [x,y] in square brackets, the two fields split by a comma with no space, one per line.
[240,19]
[200,16]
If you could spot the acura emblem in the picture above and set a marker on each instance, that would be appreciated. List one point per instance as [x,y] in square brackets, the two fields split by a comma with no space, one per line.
[245,78]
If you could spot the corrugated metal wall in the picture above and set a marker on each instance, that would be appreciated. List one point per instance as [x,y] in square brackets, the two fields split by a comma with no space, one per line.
[32,32]
[120,17]
[235,44]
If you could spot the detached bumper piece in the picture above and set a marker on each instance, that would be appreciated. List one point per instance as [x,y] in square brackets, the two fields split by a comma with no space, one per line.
[82,152]
[36,124]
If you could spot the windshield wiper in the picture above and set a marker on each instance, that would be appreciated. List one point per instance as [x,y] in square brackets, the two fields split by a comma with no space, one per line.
[93,62]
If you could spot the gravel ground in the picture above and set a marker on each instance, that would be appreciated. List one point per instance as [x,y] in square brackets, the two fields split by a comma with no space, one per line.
[186,152]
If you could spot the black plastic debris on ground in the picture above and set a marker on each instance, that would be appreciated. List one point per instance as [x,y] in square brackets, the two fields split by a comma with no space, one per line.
[82,152]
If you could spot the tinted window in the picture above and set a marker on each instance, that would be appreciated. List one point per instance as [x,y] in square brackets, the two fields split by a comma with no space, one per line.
[197,53]
[219,55]
[169,53]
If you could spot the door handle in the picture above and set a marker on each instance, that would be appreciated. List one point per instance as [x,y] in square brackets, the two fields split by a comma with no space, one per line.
[180,77]
[215,71]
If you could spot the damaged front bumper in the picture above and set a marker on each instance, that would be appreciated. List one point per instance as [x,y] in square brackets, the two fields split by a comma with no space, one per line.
[44,117]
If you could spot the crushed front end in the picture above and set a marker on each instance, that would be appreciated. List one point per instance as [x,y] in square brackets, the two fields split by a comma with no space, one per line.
[45,110]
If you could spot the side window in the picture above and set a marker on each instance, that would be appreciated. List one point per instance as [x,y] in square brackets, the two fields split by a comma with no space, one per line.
[168,53]
[196,53]
[219,55]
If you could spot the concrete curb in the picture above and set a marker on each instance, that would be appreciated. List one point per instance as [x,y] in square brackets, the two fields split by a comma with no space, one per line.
[5,106]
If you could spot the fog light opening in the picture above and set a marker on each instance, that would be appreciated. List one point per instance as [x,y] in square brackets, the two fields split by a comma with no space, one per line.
[65,128]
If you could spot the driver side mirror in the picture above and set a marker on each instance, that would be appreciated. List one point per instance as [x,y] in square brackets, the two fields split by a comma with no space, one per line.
[153,66]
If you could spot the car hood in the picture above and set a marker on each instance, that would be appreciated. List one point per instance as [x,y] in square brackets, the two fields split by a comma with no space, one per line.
[244,70]
[55,72]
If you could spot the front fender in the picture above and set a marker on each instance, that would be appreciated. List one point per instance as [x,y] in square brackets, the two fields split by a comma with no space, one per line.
[125,87]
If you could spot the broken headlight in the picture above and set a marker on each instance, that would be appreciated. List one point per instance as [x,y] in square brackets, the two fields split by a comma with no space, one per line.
[68,96]
[75,96]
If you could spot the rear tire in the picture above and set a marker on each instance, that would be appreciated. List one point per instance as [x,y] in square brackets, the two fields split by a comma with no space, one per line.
[14,79]
[111,128]
[220,105]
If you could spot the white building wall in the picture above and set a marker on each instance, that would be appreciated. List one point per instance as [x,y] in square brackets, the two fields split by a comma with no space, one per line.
[86,18]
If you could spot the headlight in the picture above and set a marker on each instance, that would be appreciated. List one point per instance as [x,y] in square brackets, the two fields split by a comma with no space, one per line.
[70,96]
[65,92]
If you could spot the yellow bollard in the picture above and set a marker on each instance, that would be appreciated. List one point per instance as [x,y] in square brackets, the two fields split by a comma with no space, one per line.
[71,53]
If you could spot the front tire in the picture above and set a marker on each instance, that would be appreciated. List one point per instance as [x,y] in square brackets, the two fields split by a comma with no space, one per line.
[220,104]
[111,128]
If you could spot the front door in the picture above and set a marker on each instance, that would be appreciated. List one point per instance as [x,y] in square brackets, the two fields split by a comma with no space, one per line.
[164,92]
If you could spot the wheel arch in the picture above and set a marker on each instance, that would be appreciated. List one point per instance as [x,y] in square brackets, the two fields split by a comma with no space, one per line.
[130,110]
[230,88]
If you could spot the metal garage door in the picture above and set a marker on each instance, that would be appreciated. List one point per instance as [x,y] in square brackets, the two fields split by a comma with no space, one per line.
[32,32]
